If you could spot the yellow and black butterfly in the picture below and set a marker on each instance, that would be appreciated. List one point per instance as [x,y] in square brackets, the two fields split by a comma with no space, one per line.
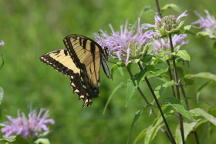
[81,62]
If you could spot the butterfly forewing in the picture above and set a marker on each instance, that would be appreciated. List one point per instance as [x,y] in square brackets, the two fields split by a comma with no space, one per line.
[61,61]
[86,54]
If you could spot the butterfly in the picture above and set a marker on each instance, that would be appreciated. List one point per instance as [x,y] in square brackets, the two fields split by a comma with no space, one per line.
[80,61]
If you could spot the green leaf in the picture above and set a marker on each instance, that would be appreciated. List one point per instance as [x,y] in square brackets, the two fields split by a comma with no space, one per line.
[171,6]
[183,54]
[136,117]
[112,94]
[204,34]
[188,128]
[164,85]
[204,114]
[152,130]
[1,94]
[212,111]
[148,9]
[200,89]
[9,139]
[204,75]
[180,108]
[187,27]
[170,100]
[42,141]
[115,67]
[153,71]
[139,76]
[140,135]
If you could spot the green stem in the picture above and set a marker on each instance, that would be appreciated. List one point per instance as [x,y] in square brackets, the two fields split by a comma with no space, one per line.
[177,88]
[171,77]
[184,96]
[167,131]
[187,106]
[158,8]
[161,112]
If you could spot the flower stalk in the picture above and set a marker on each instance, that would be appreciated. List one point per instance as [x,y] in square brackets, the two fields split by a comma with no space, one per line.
[171,77]
[177,88]
[161,112]
[167,131]
[175,76]
[158,8]
[188,107]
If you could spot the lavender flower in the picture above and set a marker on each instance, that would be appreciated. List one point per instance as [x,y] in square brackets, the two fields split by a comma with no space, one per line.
[168,24]
[128,44]
[1,43]
[163,44]
[207,23]
[33,125]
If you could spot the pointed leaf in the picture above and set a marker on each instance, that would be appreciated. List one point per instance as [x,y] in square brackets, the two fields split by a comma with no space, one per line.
[164,85]
[180,108]
[140,135]
[153,130]
[200,89]
[188,128]
[183,54]
[204,114]
[171,6]
[9,139]
[42,141]
[204,75]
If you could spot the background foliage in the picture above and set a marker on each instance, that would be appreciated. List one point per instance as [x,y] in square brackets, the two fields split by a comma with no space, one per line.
[32,28]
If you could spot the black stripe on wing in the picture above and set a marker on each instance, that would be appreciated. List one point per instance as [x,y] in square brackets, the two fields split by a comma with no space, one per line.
[82,42]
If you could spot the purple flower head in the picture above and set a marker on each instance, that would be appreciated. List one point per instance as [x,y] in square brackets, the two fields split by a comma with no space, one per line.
[128,43]
[1,43]
[35,124]
[169,23]
[163,44]
[207,23]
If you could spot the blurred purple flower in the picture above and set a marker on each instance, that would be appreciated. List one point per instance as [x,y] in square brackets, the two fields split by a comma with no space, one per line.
[207,23]
[126,44]
[163,44]
[1,43]
[33,125]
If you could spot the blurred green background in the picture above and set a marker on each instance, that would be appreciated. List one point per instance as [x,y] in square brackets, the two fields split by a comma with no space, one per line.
[31,28]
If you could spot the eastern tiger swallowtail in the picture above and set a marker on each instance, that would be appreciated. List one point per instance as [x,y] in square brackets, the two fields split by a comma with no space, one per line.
[81,62]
